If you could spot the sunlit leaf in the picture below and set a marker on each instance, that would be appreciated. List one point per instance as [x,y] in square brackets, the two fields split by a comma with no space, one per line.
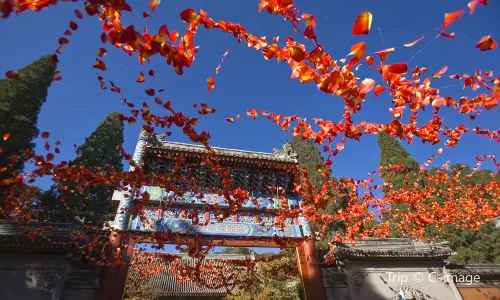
[153,4]
[189,15]
[362,24]
[12,74]
[366,85]
[6,136]
[486,43]
[140,78]
[399,68]
[99,65]
[440,72]
[229,119]
[101,52]
[414,42]
[297,53]
[379,89]
[450,18]
[369,60]
[309,20]
[358,50]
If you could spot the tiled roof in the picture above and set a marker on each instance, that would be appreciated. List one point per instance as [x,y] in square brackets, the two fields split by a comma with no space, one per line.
[13,237]
[165,283]
[390,248]
[277,156]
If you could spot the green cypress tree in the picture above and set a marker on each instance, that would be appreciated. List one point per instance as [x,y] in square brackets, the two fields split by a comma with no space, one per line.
[392,153]
[99,153]
[310,158]
[21,100]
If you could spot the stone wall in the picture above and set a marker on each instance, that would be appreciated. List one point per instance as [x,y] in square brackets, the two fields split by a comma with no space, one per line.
[42,270]
[382,268]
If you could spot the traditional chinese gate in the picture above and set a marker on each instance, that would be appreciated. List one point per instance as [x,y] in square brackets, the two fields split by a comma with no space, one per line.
[254,225]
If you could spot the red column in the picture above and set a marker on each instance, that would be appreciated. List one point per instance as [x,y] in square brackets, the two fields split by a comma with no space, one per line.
[112,280]
[310,271]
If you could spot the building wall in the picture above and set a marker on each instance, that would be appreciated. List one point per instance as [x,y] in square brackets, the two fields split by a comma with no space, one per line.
[33,276]
[383,280]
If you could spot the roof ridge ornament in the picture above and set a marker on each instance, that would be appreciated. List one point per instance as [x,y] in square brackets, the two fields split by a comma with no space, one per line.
[152,139]
[286,152]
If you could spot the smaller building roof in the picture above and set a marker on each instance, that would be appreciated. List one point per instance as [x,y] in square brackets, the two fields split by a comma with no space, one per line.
[166,283]
[390,248]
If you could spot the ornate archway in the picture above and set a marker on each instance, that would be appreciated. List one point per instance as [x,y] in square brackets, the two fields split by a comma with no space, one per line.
[255,224]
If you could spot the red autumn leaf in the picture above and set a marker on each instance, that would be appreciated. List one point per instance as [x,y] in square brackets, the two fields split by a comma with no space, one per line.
[399,68]
[151,73]
[154,4]
[6,136]
[440,72]
[47,146]
[440,150]
[369,60]
[12,74]
[101,52]
[446,35]
[150,91]
[163,32]
[362,24]
[366,85]
[78,14]
[63,41]
[73,25]
[45,135]
[486,43]
[379,89]
[358,50]
[140,78]
[309,19]
[50,157]
[99,65]
[104,37]
[161,90]
[253,113]
[297,53]
[309,34]
[237,117]
[211,83]
[414,42]
[229,119]
[2,169]
[383,54]
[472,6]
[397,112]
[68,32]
[145,14]
[340,146]
[158,101]
[189,15]
[450,18]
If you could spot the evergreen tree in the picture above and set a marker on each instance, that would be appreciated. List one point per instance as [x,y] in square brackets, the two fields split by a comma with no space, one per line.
[310,158]
[20,102]
[99,153]
[392,153]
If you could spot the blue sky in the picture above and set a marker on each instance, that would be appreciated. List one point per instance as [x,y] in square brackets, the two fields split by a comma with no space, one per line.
[76,105]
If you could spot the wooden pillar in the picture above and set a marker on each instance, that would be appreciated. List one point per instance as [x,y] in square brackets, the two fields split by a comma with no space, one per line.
[112,280]
[310,271]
